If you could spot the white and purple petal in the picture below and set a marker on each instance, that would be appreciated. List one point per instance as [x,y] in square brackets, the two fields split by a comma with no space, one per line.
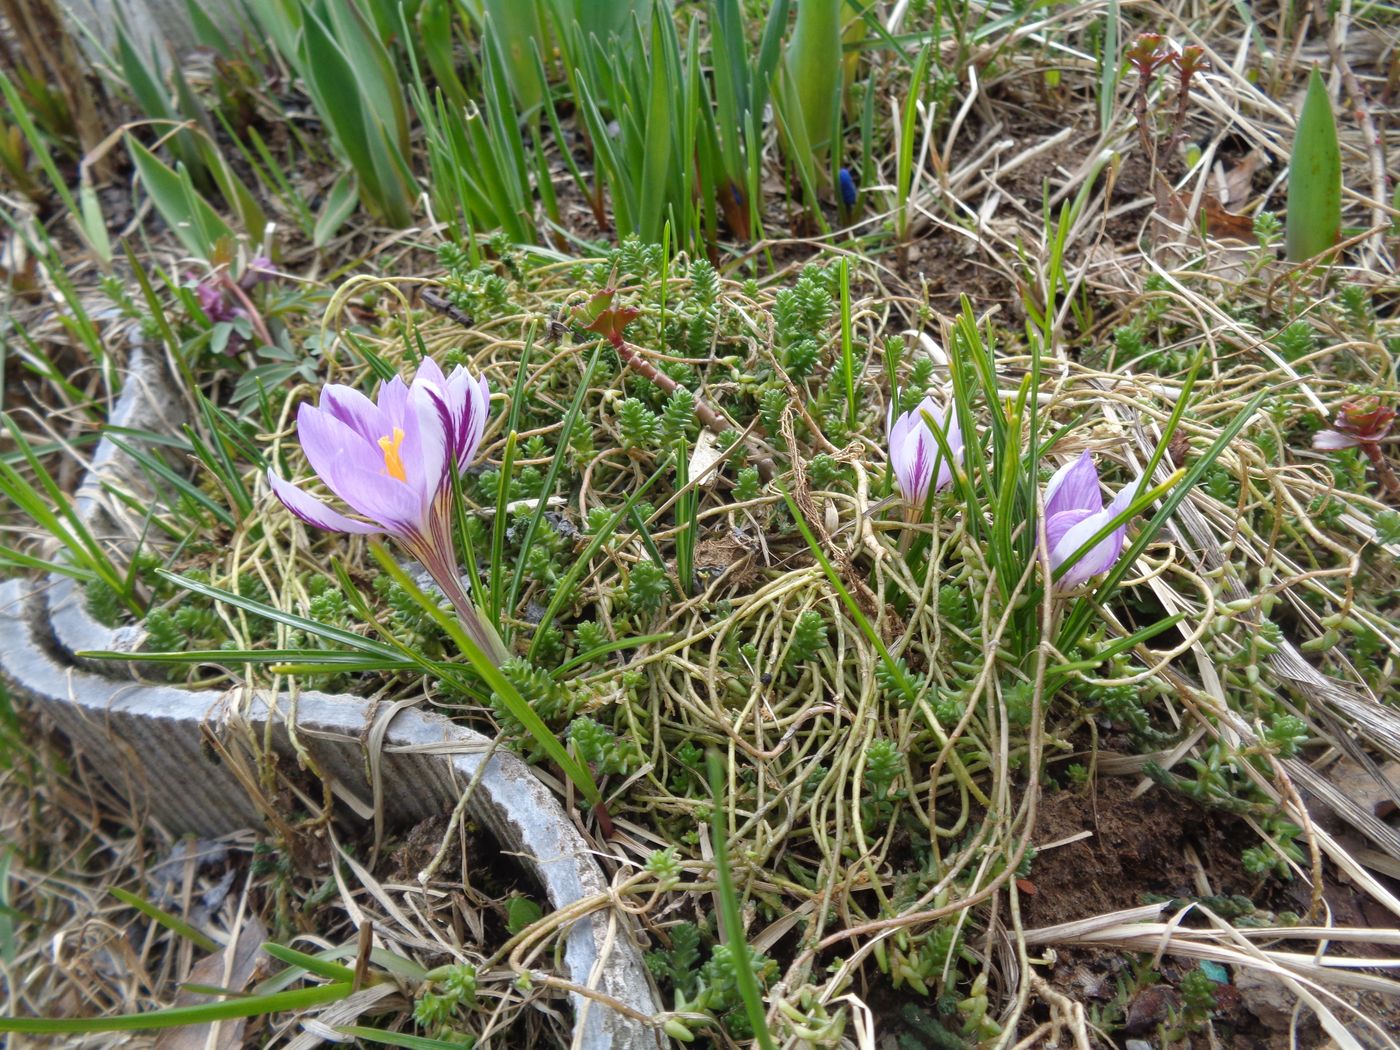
[1056,525]
[477,409]
[911,456]
[425,449]
[952,433]
[1097,559]
[1332,440]
[1075,486]
[914,449]
[312,510]
[1065,535]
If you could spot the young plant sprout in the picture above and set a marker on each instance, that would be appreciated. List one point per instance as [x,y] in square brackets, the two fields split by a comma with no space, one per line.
[391,462]
[1074,514]
[914,452]
[1364,424]
[1364,421]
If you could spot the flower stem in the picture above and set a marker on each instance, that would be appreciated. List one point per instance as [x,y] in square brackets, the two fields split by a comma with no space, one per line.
[1384,471]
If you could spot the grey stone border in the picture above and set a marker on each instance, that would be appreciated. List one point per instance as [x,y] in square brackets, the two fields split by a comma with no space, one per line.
[150,742]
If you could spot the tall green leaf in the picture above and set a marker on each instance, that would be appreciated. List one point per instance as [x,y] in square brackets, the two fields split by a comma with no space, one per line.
[657,153]
[357,92]
[813,67]
[512,25]
[1314,219]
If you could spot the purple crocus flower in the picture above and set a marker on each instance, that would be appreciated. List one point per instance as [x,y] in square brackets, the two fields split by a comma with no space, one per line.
[1074,513]
[914,450]
[390,461]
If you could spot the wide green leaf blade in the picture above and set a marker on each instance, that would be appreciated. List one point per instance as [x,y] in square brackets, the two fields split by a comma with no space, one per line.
[193,221]
[1314,219]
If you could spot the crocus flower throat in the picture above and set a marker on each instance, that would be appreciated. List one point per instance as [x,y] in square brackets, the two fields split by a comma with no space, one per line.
[392,462]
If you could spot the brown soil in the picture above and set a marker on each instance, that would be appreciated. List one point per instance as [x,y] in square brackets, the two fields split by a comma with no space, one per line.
[1138,851]
[1138,847]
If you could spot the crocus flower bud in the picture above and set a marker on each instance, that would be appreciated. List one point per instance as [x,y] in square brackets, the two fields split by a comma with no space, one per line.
[1074,514]
[914,450]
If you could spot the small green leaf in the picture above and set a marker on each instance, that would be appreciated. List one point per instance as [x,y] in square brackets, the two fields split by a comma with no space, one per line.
[522,912]
[340,204]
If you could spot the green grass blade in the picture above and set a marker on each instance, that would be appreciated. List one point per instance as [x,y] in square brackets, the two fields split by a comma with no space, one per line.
[349,639]
[177,1016]
[730,917]
[318,965]
[603,650]
[565,586]
[519,708]
[556,464]
[160,916]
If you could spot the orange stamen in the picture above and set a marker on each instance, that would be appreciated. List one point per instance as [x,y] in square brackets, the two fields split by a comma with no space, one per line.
[392,463]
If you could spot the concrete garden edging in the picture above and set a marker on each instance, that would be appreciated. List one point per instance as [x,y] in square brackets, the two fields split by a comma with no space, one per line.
[150,741]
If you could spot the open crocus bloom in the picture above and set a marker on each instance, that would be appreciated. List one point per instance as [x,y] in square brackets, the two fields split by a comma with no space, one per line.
[390,461]
[1074,514]
[914,450]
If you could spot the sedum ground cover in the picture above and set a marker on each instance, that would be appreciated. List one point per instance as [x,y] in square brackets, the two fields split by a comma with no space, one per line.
[959,802]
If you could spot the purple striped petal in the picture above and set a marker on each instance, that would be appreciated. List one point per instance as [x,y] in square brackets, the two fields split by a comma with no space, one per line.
[911,457]
[462,403]
[1075,486]
[914,450]
[312,511]
[356,411]
[478,411]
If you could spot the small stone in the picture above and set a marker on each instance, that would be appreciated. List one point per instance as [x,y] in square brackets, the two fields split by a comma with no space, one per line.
[1149,1008]
[1266,998]
[1137,1044]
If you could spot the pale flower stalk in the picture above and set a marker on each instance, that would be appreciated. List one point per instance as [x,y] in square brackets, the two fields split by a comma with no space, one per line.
[390,461]
[1075,513]
[914,452]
